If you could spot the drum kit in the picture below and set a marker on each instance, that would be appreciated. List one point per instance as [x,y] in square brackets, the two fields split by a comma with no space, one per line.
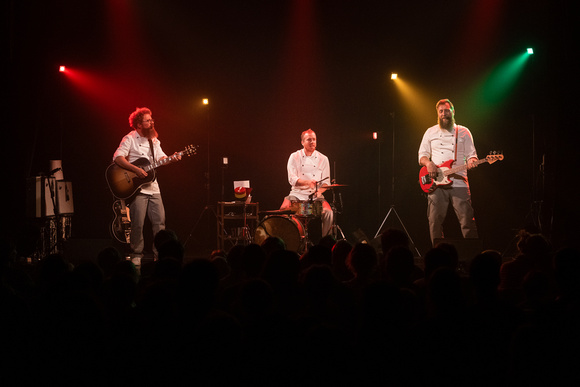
[291,224]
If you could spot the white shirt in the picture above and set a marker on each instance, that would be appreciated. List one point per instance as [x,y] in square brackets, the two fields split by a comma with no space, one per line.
[439,146]
[134,146]
[313,167]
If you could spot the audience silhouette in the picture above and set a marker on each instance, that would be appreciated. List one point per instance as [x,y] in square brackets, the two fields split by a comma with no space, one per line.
[340,314]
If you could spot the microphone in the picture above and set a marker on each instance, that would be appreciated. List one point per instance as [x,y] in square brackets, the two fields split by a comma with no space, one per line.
[50,173]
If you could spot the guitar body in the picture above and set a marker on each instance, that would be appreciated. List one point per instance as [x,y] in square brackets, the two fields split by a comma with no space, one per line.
[124,183]
[428,184]
[121,225]
[446,169]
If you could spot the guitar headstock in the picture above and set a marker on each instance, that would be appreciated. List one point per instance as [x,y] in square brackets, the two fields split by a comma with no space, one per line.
[189,150]
[494,156]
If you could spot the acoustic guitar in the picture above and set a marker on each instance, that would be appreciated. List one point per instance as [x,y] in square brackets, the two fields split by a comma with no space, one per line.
[124,183]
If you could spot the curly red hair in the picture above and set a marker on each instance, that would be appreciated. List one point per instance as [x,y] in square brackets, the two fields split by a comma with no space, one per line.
[137,116]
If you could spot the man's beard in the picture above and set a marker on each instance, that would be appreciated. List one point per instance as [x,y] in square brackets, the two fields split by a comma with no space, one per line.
[150,132]
[446,124]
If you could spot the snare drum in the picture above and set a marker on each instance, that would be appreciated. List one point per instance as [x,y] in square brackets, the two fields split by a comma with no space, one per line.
[306,208]
[287,228]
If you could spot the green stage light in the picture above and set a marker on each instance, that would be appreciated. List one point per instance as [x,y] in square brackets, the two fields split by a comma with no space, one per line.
[497,85]
[530,51]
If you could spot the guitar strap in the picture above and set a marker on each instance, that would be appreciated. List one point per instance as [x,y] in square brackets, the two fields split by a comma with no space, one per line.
[152,153]
[456,141]
[152,150]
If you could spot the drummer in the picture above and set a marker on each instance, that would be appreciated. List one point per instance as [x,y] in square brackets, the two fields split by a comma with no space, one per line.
[308,173]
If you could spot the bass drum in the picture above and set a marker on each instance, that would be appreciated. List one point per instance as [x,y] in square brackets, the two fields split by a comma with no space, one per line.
[287,228]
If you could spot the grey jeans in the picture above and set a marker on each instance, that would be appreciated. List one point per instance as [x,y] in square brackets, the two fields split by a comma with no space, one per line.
[437,204]
[145,205]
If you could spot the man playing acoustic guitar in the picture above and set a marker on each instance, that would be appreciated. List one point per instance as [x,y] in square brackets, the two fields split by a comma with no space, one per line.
[443,142]
[142,142]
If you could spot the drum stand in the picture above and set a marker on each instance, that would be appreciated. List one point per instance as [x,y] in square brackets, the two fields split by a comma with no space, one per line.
[335,228]
[304,220]
[306,243]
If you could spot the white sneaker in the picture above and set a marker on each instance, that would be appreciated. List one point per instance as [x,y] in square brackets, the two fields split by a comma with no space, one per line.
[136,261]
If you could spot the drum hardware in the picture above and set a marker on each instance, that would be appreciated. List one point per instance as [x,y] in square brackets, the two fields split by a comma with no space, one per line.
[289,228]
[335,228]
[277,212]
[332,186]
[313,194]
[291,224]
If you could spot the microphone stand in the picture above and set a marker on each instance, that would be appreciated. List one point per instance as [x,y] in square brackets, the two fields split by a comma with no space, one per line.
[392,209]
[208,207]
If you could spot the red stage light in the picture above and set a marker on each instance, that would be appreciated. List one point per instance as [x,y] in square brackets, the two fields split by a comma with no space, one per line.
[61,69]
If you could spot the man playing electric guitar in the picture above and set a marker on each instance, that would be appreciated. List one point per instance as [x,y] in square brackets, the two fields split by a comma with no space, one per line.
[142,142]
[442,142]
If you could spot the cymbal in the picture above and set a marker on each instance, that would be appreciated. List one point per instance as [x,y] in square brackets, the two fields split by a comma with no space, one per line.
[331,186]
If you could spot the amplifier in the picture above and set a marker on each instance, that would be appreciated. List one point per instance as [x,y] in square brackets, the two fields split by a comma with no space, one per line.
[46,196]
[39,197]
[64,197]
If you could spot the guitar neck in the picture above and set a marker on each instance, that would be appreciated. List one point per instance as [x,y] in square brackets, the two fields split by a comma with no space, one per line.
[162,162]
[462,167]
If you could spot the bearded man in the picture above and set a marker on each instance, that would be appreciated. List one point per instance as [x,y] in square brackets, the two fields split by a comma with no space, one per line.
[142,142]
[443,142]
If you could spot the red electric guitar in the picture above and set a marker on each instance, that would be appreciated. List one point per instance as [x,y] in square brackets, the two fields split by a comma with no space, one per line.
[429,185]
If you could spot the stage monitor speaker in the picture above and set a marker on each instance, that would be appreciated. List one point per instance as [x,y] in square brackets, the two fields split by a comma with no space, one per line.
[467,249]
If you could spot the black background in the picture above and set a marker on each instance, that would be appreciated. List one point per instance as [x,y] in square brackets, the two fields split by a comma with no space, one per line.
[272,69]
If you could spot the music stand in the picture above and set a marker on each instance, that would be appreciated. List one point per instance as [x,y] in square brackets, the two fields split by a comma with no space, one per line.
[392,208]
